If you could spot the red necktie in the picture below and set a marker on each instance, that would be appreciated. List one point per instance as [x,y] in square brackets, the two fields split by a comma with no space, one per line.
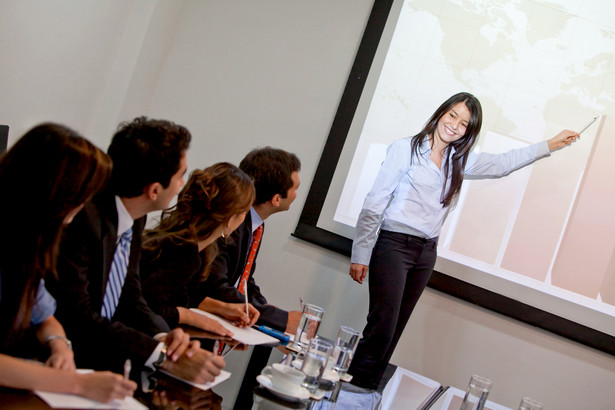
[258,233]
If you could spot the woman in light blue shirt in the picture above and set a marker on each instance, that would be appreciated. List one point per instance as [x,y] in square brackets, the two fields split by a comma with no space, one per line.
[398,227]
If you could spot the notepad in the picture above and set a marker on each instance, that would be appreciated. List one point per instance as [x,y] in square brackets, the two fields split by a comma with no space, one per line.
[245,335]
[410,390]
[223,376]
[70,401]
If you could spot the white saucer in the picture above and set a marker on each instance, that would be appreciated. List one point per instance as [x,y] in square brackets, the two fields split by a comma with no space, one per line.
[300,394]
[331,375]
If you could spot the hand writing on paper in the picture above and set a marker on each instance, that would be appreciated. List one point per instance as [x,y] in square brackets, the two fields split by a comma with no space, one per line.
[201,367]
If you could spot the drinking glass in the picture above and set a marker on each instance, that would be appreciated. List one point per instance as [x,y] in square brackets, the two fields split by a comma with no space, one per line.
[308,325]
[315,361]
[527,403]
[476,393]
[345,345]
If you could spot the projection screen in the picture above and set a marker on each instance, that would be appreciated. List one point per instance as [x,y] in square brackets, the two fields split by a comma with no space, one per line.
[539,244]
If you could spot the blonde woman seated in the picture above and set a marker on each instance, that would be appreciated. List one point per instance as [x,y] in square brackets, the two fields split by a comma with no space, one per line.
[178,252]
[48,175]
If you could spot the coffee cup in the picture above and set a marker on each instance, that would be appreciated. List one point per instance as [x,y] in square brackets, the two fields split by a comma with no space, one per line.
[284,378]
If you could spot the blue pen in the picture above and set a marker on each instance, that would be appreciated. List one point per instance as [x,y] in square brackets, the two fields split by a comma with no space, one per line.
[284,339]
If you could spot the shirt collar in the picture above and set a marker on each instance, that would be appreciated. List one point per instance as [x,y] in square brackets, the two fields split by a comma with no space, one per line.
[425,148]
[124,220]
[256,219]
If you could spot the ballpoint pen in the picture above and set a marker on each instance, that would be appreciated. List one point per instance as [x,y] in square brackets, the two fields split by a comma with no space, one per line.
[230,350]
[127,368]
[245,295]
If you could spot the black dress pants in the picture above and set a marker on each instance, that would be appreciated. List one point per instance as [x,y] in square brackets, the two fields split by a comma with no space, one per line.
[399,270]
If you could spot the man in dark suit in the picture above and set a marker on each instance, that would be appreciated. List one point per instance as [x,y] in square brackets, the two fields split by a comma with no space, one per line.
[99,291]
[276,178]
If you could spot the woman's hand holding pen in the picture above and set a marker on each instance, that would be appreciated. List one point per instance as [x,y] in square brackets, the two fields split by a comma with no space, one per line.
[104,386]
[563,139]
[358,272]
[231,311]
[236,312]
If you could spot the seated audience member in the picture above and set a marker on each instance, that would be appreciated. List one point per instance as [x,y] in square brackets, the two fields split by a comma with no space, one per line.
[276,179]
[177,253]
[48,175]
[99,288]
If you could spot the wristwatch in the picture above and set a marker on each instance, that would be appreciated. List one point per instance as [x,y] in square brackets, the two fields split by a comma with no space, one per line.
[64,339]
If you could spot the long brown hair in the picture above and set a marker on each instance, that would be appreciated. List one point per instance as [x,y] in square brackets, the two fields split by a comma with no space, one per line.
[209,199]
[462,146]
[48,173]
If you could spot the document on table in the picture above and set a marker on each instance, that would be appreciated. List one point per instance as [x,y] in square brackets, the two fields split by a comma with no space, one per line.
[70,401]
[223,376]
[245,335]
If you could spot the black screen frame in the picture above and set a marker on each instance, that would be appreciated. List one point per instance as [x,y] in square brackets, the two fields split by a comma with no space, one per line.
[308,230]
[4,138]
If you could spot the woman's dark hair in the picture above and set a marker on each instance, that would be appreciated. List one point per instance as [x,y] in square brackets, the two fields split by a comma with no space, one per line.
[47,174]
[456,164]
[210,198]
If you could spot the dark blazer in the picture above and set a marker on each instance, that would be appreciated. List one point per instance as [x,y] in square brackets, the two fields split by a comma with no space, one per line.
[226,270]
[86,254]
[170,277]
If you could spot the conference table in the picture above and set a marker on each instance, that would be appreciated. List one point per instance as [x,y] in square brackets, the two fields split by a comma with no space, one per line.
[159,391]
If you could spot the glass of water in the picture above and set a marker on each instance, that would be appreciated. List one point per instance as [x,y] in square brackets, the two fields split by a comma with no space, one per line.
[314,362]
[527,403]
[476,393]
[308,325]
[345,345]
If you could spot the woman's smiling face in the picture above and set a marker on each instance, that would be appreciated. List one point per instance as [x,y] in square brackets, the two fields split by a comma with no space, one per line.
[452,125]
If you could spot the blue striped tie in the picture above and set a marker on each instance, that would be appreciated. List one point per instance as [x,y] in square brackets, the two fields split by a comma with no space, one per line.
[119,267]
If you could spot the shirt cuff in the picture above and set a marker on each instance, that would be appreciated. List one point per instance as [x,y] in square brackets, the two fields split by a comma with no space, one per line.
[154,356]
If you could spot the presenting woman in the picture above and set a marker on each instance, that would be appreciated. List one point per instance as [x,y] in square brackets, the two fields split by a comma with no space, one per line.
[46,178]
[178,252]
[398,227]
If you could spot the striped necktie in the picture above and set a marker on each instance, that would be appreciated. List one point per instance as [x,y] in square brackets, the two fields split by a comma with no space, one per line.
[117,275]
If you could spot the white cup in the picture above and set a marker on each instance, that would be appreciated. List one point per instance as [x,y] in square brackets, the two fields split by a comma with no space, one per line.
[284,378]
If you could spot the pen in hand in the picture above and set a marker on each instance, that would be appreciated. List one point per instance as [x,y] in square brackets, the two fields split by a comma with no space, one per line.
[127,368]
[229,350]
[245,294]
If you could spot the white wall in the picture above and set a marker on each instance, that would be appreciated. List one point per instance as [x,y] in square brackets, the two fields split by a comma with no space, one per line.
[241,74]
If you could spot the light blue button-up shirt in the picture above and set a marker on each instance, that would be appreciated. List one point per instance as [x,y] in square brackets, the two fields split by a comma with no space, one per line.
[406,194]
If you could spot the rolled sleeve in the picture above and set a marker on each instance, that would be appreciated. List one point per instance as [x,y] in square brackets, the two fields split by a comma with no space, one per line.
[44,305]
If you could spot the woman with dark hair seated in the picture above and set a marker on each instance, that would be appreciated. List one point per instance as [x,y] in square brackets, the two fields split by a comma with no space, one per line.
[46,178]
[178,252]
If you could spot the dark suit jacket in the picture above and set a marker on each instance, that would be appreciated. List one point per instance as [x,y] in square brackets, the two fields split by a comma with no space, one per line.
[226,270]
[86,254]
[170,277]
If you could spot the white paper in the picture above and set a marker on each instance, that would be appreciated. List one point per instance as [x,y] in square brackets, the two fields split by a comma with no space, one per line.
[70,401]
[224,375]
[245,335]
